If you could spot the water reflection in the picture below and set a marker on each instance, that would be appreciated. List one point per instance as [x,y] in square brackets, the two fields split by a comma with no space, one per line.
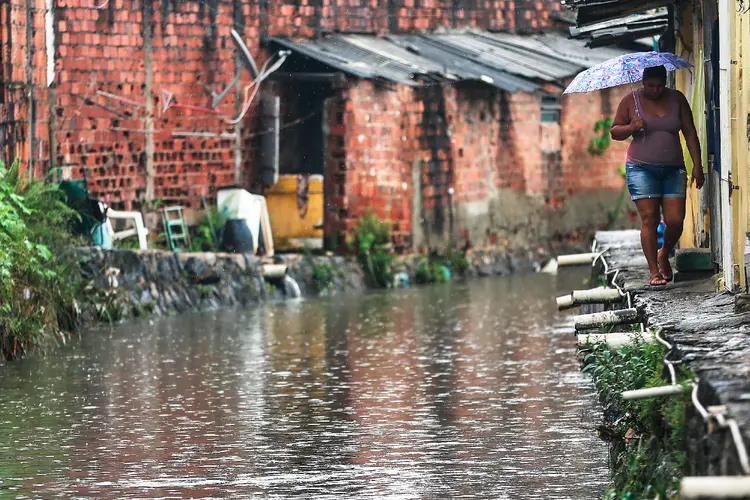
[458,391]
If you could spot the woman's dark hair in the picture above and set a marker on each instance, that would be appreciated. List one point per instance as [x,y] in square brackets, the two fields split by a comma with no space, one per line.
[655,73]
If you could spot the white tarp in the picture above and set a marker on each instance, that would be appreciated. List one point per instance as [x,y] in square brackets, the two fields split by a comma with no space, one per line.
[240,204]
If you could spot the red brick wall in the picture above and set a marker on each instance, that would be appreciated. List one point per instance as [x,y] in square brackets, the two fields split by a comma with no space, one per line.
[583,171]
[475,121]
[472,139]
[129,153]
[105,50]
[17,141]
[478,141]
[526,125]
[101,50]
[367,168]
[305,19]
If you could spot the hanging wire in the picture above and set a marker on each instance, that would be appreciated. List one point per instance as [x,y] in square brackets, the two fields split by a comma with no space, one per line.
[264,73]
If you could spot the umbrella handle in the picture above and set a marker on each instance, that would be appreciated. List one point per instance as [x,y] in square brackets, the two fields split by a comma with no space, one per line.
[635,106]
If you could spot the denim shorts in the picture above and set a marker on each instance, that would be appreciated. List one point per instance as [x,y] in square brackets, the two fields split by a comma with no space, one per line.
[656,181]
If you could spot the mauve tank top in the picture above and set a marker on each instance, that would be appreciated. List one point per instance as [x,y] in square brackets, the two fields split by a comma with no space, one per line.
[661,144]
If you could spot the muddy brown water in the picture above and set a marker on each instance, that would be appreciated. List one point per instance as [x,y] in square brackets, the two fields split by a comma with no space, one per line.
[456,391]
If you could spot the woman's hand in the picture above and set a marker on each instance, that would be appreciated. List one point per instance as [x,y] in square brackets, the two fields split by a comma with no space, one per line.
[637,124]
[698,177]
[623,126]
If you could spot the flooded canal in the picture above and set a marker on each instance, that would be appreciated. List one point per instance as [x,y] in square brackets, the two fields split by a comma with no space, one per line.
[456,391]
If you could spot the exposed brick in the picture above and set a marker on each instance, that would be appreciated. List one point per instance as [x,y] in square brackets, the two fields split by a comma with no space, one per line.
[470,140]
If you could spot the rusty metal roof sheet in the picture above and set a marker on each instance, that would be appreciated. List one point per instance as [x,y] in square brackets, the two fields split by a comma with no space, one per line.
[623,29]
[506,61]
[593,11]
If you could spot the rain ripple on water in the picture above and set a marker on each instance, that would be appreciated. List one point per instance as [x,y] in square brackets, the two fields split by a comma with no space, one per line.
[456,391]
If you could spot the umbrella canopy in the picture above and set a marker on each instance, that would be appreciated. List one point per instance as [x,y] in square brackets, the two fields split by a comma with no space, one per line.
[623,70]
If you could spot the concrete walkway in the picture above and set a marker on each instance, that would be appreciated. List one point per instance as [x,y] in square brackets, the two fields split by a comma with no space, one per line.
[711,340]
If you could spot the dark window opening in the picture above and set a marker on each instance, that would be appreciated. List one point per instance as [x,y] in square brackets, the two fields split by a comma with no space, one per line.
[551,108]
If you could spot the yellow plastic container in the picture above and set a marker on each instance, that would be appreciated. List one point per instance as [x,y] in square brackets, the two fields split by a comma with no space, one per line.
[290,231]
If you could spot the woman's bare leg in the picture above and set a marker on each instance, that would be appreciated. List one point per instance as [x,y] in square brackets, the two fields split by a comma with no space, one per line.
[674,215]
[648,209]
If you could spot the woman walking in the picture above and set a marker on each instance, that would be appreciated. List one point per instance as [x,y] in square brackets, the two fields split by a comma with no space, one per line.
[656,176]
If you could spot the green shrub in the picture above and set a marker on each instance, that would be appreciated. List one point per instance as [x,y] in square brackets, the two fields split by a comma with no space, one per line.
[456,260]
[39,273]
[372,241]
[440,267]
[323,274]
[430,270]
[599,144]
[647,450]
[206,234]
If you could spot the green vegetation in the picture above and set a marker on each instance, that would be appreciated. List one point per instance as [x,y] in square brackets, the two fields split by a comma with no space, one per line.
[440,267]
[599,144]
[205,237]
[372,244]
[646,436]
[39,273]
[323,274]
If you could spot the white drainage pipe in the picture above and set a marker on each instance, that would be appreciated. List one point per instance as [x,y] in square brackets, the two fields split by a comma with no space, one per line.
[614,340]
[576,259]
[606,318]
[715,487]
[274,270]
[599,295]
[564,302]
[596,296]
[656,392]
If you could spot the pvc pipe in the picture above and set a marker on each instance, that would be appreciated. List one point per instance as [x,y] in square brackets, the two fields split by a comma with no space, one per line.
[715,487]
[606,318]
[550,267]
[564,302]
[274,270]
[576,259]
[596,296]
[613,340]
[655,392]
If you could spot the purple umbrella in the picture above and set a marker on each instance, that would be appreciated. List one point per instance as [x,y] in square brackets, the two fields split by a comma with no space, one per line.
[623,70]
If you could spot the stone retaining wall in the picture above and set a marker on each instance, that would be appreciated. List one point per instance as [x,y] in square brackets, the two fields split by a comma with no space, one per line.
[129,283]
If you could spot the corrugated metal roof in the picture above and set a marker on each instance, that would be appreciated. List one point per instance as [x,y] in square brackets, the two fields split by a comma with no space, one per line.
[496,55]
[572,55]
[455,61]
[509,62]
[351,59]
[623,29]
[592,11]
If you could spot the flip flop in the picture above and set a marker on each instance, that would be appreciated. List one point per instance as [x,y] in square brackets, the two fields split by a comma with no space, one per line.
[666,275]
[657,281]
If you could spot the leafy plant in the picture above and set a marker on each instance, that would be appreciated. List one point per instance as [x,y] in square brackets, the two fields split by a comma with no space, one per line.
[372,242]
[456,260]
[323,274]
[431,270]
[647,457]
[39,273]
[599,144]
[206,237]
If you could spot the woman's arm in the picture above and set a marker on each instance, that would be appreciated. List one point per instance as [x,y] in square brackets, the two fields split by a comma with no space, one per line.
[622,126]
[691,139]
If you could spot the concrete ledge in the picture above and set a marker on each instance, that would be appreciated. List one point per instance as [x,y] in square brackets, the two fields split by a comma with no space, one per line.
[711,339]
